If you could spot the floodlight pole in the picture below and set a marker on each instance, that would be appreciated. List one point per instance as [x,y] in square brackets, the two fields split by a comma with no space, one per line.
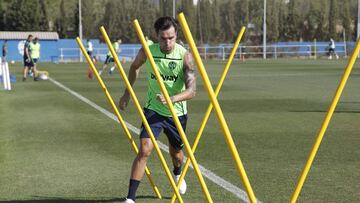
[264,31]
[80,28]
[174,8]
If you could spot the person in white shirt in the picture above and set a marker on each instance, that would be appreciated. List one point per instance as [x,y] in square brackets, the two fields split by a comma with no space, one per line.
[332,49]
[90,49]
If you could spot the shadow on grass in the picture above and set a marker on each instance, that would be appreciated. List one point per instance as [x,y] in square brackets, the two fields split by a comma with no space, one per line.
[41,199]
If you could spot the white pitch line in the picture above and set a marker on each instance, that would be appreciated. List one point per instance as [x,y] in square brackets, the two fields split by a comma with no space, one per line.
[241,194]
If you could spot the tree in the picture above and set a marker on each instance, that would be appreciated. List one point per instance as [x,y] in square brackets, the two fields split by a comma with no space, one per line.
[311,23]
[321,33]
[199,34]
[109,18]
[346,19]
[215,30]
[25,15]
[227,15]
[219,20]
[166,7]
[189,10]
[44,20]
[272,21]
[61,22]
[2,15]
[333,13]
[291,30]
[282,22]
[89,19]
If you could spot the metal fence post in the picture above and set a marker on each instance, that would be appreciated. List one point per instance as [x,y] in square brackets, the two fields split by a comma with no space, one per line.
[223,51]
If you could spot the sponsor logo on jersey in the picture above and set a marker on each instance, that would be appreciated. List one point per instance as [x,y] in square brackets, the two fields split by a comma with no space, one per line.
[166,77]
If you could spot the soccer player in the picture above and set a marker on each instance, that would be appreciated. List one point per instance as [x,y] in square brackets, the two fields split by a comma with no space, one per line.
[4,51]
[176,67]
[27,58]
[35,56]
[90,49]
[109,57]
[332,49]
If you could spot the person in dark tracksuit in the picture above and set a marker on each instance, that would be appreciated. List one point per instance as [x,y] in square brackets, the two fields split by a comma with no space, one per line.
[27,58]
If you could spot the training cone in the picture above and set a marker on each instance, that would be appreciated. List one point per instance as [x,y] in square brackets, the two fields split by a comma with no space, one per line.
[90,73]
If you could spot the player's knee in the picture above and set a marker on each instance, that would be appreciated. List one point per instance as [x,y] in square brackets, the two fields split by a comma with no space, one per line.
[144,153]
[145,150]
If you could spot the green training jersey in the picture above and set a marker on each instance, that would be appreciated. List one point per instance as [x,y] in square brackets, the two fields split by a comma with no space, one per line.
[116,47]
[34,50]
[149,42]
[171,68]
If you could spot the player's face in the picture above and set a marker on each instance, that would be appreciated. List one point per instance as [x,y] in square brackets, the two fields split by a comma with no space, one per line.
[167,39]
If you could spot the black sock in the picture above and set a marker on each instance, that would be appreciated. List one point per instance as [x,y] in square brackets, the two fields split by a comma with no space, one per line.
[177,170]
[134,184]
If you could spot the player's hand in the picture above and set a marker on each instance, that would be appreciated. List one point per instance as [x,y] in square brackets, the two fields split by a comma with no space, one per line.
[27,60]
[124,100]
[162,99]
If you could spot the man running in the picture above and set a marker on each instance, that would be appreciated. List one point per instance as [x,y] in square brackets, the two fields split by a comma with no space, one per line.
[175,65]
[332,49]
[109,57]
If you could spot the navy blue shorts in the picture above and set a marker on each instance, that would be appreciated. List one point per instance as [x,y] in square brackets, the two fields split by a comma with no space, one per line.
[158,123]
[28,63]
[109,59]
[35,60]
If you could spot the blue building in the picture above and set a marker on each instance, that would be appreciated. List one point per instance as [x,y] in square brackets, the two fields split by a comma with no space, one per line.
[15,44]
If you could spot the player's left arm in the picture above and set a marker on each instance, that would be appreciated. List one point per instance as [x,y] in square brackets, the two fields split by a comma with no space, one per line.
[190,82]
[27,52]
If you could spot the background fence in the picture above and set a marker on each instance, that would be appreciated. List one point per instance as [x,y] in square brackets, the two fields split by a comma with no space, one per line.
[222,52]
[66,50]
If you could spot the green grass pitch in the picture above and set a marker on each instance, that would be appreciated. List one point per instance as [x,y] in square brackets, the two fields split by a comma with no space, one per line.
[56,148]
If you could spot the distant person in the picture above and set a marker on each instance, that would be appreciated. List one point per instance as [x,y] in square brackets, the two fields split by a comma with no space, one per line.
[109,57]
[90,49]
[332,49]
[27,57]
[4,51]
[35,56]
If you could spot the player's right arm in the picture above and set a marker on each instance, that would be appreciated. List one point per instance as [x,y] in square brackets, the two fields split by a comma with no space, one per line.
[133,74]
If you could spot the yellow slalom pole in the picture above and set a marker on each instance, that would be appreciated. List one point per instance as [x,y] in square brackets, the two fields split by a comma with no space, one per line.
[210,107]
[229,140]
[172,110]
[326,121]
[117,113]
[140,111]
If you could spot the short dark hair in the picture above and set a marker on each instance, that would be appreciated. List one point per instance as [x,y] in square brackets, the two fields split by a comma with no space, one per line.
[164,23]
